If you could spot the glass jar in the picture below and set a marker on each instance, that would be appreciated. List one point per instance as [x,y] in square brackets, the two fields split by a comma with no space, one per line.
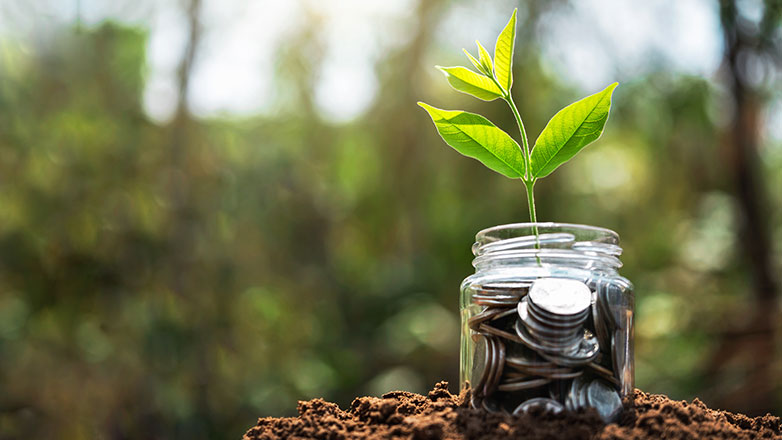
[547,321]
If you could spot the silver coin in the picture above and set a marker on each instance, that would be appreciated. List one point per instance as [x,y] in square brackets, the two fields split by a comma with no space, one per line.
[605,313]
[539,402]
[526,384]
[542,371]
[499,290]
[529,341]
[601,329]
[511,375]
[620,353]
[604,398]
[588,350]
[539,326]
[549,321]
[491,405]
[557,390]
[523,361]
[558,373]
[560,296]
[556,322]
[489,313]
[498,363]
[543,347]
[513,298]
[491,365]
[603,372]
[544,342]
[476,402]
[498,332]
[507,312]
[562,344]
[581,397]
[480,364]
[618,303]
[571,400]
[563,375]
[491,302]
[517,289]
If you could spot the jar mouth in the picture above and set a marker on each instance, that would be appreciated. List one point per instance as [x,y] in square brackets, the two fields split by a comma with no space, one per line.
[514,230]
[579,244]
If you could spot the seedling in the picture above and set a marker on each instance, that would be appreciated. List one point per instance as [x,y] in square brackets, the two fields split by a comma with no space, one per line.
[568,132]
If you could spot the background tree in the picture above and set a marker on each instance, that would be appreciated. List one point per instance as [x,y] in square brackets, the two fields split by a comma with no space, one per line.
[181,278]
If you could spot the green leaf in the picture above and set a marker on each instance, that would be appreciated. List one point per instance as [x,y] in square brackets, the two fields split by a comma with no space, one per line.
[467,81]
[475,136]
[485,58]
[476,63]
[503,54]
[570,130]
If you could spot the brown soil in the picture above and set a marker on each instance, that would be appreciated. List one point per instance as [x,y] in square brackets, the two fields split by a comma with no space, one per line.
[442,415]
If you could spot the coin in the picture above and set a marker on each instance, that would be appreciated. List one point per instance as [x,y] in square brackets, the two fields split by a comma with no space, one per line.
[507,312]
[491,365]
[618,304]
[526,339]
[560,296]
[550,371]
[489,313]
[571,400]
[480,363]
[601,329]
[603,372]
[620,353]
[494,302]
[563,375]
[604,398]
[587,351]
[539,339]
[497,332]
[516,288]
[555,322]
[557,390]
[475,401]
[495,296]
[498,362]
[518,385]
[581,397]
[539,402]
[539,328]
[551,348]
[521,361]
[491,405]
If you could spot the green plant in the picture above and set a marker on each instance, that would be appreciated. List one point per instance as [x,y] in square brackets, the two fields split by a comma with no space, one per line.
[570,130]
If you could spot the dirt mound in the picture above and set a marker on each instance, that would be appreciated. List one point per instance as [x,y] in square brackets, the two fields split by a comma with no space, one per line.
[442,415]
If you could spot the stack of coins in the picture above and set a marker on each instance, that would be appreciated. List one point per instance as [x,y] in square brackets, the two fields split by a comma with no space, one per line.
[546,343]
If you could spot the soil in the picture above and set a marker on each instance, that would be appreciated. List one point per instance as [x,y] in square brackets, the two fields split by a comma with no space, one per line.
[442,415]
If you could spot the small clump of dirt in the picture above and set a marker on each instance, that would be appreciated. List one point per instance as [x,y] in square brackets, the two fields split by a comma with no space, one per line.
[442,415]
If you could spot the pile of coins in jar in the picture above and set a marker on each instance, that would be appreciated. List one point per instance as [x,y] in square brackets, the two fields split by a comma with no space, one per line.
[549,343]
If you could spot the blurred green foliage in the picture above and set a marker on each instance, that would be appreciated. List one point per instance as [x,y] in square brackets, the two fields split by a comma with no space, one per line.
[180,280]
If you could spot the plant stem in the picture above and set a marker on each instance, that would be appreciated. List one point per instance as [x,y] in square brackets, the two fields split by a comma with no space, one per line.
[528,180]
[507,97]
[531,202]
[524,142]
[532,216]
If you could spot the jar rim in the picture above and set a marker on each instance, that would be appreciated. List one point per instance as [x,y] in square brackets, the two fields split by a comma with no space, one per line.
[589,246]
[510,230]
